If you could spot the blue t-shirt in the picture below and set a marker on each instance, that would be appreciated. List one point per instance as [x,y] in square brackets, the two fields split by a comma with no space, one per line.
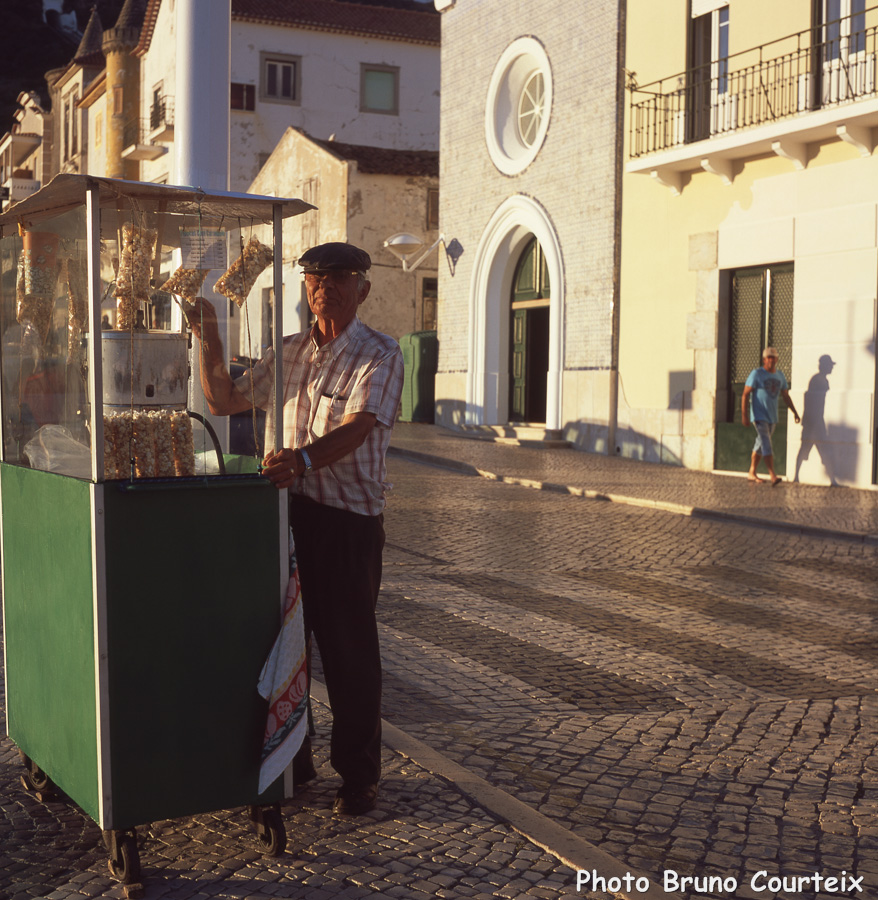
[766,389]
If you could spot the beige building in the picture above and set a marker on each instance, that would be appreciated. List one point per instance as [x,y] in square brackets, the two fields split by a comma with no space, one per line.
[363,195]
[750,218]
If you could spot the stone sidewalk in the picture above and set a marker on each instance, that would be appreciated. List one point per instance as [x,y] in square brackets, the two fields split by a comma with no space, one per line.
[836,512]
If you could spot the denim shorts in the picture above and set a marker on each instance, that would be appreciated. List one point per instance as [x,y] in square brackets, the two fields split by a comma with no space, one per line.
[764,431]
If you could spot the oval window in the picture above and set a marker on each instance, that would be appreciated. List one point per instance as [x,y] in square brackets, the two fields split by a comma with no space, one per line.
[518,106]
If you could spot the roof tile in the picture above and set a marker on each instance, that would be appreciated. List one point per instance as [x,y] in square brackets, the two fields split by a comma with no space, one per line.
[335,15]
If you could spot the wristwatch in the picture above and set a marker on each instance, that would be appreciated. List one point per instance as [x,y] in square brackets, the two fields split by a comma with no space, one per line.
[307,460]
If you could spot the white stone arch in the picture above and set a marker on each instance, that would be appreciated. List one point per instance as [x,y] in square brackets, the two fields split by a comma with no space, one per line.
[515,221]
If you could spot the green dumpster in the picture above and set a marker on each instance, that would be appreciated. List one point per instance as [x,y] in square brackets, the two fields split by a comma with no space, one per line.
[420,359]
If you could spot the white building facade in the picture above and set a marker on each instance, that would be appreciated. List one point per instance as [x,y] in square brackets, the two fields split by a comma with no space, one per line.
[530,127]
[368,75]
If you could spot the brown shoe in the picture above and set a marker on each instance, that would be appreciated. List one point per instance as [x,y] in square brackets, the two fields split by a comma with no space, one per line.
[354,801]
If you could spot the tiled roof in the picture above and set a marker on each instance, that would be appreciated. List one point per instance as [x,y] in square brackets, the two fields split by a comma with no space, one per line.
[89,50]
[348,18]
[131,15]
[382,161]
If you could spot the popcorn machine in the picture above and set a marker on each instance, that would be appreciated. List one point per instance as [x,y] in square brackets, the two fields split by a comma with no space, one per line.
[143,562]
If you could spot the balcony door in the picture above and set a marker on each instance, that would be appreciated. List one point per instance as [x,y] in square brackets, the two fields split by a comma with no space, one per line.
[847,71]
[710,106]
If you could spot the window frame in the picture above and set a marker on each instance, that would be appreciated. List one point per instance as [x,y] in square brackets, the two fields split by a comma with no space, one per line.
[266,58]
[248,94]
[365,69]
[432,209]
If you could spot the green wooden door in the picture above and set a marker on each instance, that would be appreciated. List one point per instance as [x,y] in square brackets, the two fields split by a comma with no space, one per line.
[529,337]
[518,407]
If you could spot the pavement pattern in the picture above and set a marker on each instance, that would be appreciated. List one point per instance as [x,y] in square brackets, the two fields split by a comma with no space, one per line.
[692,695]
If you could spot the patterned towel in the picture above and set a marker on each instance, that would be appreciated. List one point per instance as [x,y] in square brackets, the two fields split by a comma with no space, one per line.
[284,683]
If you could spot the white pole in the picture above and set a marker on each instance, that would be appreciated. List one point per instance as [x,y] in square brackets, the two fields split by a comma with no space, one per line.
[201,135]
[202,117]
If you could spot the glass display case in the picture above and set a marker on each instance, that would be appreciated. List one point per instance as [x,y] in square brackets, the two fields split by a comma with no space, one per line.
[141,560]
[95,356]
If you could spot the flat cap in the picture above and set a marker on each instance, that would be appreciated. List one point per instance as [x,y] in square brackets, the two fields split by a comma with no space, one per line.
[335,255]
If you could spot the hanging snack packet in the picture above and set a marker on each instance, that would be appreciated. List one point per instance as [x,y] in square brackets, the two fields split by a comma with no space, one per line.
[75,273]
[132,280]
[186,283]
[36,282]
[238,281]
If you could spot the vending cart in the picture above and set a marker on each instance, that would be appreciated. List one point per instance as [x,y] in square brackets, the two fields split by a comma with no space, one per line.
[144,565]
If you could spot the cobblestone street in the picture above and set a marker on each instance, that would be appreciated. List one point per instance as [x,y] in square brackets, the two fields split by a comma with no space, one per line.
[693,696]
[689,695]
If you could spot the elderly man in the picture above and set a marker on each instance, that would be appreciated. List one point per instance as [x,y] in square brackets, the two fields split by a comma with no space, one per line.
[762,388]
[342,387]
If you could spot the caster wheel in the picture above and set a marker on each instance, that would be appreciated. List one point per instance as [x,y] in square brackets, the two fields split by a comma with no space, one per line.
[36,780]
[270,831]
[124,859]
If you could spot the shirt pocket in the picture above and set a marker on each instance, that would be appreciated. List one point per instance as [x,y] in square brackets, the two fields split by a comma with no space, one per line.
[330,412]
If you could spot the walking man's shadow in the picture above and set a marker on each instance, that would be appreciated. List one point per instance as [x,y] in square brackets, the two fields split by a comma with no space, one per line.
[814,431]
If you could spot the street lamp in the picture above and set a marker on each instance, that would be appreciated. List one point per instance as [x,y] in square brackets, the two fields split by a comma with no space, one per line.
[404,246]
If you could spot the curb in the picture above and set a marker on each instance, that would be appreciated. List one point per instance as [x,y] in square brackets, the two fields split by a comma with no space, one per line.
[560,842]
[676,508]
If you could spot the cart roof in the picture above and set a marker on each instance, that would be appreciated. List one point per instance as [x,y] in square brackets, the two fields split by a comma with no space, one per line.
[68,191]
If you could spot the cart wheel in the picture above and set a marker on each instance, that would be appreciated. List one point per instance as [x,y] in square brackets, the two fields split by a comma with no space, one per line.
[124,859]
[35,779]
[270,831]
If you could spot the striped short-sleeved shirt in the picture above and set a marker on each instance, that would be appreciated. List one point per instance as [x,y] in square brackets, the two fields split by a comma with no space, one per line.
[359,371]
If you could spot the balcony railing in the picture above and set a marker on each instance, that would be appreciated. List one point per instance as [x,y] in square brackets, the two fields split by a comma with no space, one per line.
[814,69]
[138,142]
[161,119]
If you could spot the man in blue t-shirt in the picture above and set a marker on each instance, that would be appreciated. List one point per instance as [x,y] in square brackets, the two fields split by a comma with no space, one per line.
[762,389]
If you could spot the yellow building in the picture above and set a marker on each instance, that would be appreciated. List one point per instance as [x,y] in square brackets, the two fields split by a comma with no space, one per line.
[750,217]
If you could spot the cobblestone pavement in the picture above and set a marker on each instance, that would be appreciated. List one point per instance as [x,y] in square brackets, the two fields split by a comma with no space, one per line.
[426,840]
[693,696]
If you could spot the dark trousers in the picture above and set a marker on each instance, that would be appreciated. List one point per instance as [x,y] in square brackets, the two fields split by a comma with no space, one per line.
[339,555]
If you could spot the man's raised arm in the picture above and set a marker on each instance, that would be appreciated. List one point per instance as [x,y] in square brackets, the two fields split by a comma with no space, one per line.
[223,398]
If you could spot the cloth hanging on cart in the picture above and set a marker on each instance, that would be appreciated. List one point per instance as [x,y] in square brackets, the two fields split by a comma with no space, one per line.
[284,683]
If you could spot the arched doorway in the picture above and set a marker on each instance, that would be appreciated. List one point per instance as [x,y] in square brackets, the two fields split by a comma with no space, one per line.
[512,227]
[529,336]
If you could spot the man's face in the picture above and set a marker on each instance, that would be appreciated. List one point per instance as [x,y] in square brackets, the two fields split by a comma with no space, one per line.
[769,363]
[335,296]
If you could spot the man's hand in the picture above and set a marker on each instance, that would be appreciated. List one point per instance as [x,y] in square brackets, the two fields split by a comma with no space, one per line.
[201,316]
[281,468]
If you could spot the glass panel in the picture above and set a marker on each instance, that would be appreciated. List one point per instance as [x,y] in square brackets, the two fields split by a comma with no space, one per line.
[530,109]
[152,427]
[833,29]
[379,90]
[287,81]
[723,51]
[746,324]
[44,317]
[271,79]
[858,26]
[780,324]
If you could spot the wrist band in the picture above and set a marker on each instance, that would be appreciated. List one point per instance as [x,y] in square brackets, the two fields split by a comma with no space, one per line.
[307,460]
